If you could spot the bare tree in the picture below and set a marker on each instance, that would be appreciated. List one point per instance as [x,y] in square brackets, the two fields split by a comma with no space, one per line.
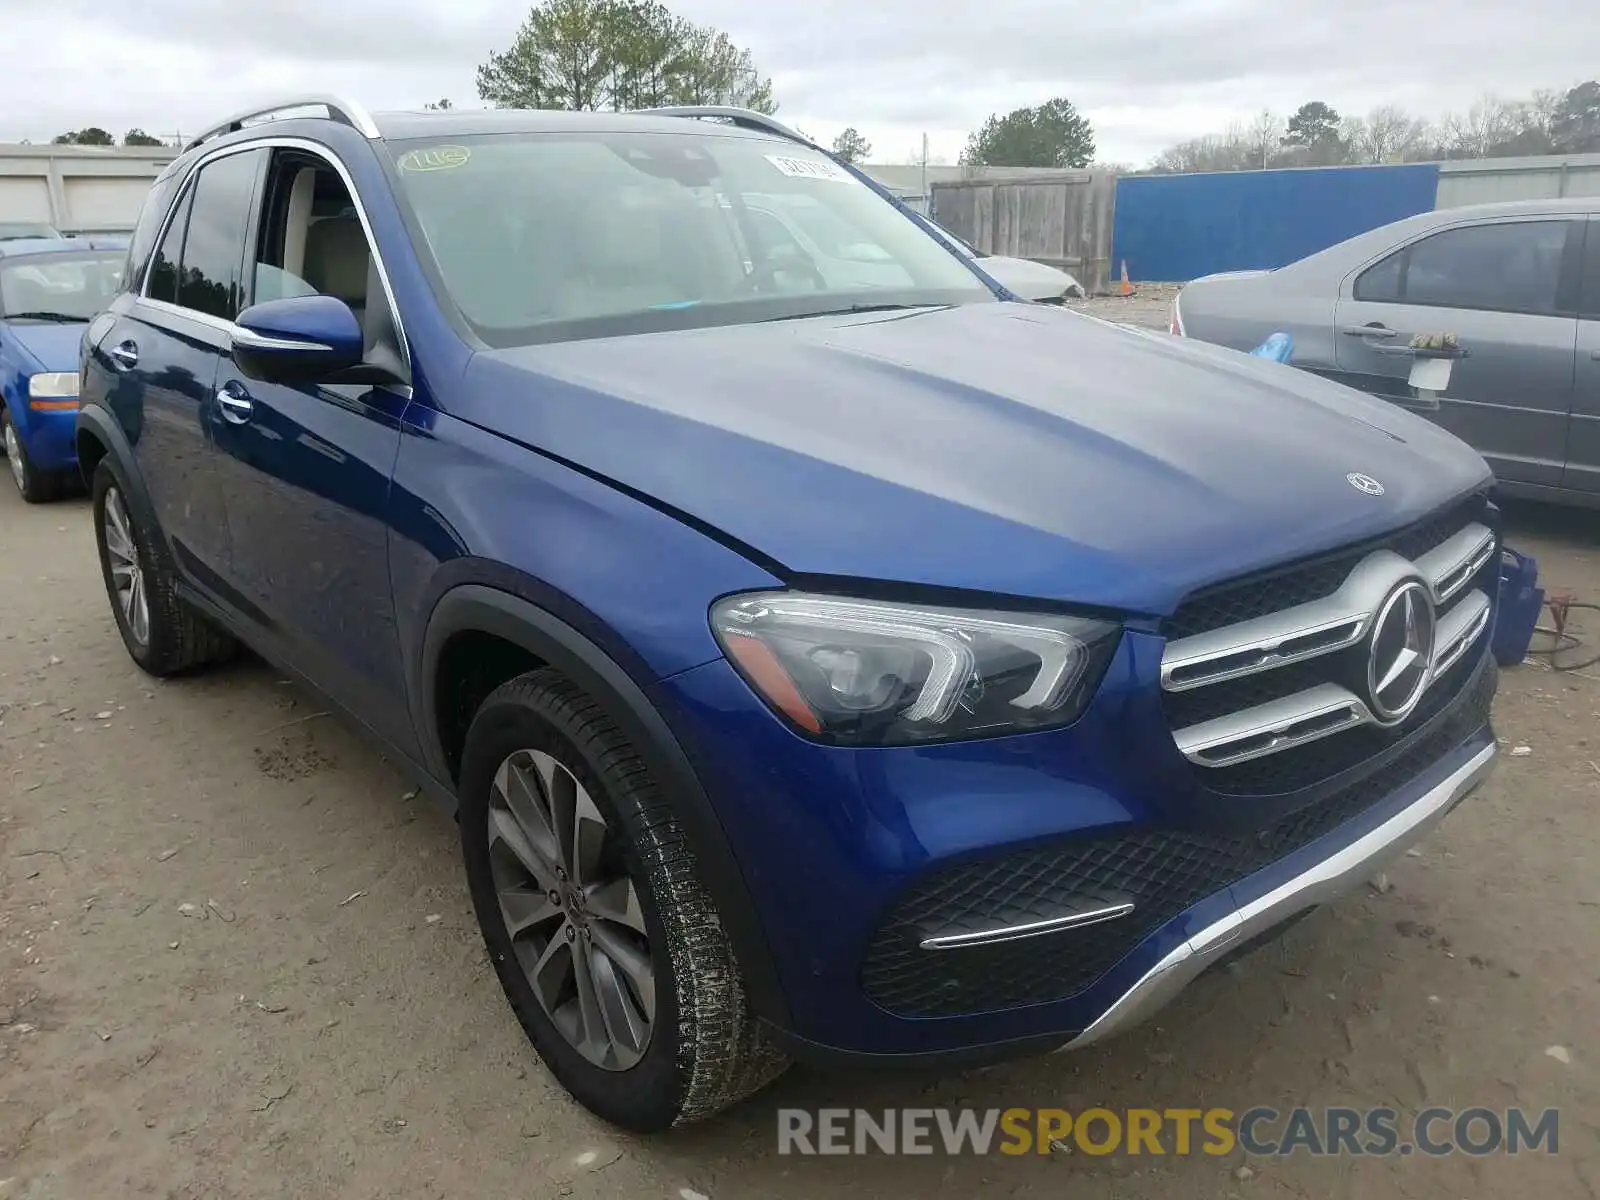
[1531,125]
[1263,135]
[1475,133]
[1386,134]
[1545,106]
[1230,151]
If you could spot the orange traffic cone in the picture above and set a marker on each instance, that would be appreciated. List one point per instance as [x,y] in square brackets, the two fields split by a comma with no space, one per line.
[1127,288]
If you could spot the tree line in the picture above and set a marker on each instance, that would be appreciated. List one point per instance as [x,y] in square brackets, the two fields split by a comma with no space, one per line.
[1317,135]
[1054,134]
[93,135]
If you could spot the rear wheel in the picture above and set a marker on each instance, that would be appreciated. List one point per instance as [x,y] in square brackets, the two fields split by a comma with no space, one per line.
[162,634]
[35,486]
[608,948]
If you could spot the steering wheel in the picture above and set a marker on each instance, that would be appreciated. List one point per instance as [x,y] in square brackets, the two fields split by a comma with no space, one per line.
[765,273]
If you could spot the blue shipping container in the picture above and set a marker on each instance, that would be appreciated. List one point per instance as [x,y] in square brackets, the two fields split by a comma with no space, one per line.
[1179,227]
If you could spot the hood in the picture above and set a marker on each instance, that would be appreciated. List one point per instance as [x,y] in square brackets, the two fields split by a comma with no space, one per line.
[54,346]
[1028,279]
[999,447]
[1220,275]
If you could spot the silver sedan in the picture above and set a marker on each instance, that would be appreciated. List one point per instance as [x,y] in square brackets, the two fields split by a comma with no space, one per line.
[1518,285]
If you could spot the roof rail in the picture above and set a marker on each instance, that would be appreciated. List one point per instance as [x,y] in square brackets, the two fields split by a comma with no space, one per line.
[745,118]
[344,111]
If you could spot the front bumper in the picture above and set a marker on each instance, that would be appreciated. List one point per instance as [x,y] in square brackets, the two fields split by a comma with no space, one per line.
[50,437]
[854,857]
[1323,881]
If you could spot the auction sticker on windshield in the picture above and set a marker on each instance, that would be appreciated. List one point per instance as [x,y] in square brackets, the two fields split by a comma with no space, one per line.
[811,168]
[435,158]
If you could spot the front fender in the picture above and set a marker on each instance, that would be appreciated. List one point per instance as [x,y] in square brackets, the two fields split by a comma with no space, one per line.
[477,607]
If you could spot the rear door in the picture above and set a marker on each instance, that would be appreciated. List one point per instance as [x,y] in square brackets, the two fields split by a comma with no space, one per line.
[159,360]
[1583,438]
[1507,289]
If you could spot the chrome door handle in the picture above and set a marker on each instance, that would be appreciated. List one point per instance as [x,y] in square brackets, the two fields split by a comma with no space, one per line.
[125,355]
[236,406]
[1369,331]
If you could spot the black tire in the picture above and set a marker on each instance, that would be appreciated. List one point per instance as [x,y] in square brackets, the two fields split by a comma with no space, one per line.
[179,639]
[706,1050]
[36,486]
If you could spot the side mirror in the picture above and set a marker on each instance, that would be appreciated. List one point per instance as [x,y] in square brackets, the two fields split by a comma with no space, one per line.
[301,339]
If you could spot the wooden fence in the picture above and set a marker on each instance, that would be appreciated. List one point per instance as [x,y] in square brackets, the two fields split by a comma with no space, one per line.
[1064,220]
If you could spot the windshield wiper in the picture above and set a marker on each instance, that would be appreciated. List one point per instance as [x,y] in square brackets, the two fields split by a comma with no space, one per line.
[852,309]
[46,316]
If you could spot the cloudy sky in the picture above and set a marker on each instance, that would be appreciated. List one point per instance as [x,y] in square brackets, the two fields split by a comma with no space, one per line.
[1147,74]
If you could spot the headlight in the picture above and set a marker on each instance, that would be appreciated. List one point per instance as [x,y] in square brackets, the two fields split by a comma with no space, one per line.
[53,385]
[865,672]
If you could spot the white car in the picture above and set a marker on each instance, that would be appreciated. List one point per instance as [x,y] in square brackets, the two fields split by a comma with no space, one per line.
[1028,279]
[845,260]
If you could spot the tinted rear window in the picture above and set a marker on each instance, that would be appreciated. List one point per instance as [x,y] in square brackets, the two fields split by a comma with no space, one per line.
[1509,266]
[163,282]
[151,215]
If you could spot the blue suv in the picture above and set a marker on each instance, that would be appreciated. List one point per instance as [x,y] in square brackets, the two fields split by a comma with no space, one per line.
[850,665]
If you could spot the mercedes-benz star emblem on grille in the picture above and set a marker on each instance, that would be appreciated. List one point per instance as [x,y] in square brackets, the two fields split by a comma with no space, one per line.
[1364,483]
[1401,652]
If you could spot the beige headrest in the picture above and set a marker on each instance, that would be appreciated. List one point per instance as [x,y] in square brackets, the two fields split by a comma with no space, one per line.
[336,259]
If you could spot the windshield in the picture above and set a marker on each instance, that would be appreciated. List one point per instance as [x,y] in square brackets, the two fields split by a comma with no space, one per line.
[959,242]
[59,287]
[546,237]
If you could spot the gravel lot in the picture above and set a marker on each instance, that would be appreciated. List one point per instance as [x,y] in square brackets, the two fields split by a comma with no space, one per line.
[237,960]
[1150,306]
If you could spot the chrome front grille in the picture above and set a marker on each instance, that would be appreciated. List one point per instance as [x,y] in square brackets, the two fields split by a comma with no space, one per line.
[1316,669]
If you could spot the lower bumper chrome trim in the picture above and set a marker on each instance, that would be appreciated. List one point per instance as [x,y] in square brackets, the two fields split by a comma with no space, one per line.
[1011,933]
[1328,879]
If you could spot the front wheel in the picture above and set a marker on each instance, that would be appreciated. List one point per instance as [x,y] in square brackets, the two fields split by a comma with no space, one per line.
[35,486]
[608,947]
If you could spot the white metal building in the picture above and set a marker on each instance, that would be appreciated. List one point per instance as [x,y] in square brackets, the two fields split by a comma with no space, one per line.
[78,189]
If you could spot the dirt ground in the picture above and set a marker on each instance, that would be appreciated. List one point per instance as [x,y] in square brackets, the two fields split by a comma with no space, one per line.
[1150,306]
[237,960]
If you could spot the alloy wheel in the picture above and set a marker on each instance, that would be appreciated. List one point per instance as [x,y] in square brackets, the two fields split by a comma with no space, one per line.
[19,472]
[571,909]
[127,577]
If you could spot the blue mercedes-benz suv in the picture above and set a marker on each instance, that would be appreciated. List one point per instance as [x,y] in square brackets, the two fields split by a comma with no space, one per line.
[847,664]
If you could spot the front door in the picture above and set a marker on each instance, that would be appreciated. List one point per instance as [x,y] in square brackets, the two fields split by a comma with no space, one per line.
[308,466]
[1507,290]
